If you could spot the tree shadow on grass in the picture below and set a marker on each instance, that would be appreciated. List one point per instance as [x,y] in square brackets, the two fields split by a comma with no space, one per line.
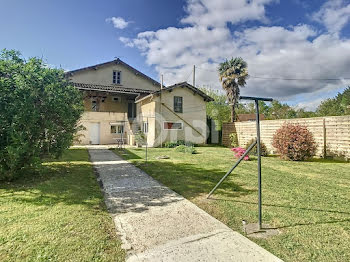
[191,181]
[53,184]
[125,153]
[294,207]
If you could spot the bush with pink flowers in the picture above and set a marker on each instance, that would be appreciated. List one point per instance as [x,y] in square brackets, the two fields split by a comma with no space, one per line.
[239,151]
[294,142]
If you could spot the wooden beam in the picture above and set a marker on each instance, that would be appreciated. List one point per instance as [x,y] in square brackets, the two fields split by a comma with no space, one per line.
[182,119]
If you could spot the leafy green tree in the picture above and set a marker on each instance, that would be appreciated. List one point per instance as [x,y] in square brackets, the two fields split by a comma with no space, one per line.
[39,113]
[277,110]
[249,108]
[218,110]
[336,106]
[233,74]
[302,113]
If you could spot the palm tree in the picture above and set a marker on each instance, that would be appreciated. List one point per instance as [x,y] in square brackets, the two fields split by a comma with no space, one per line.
[233,74]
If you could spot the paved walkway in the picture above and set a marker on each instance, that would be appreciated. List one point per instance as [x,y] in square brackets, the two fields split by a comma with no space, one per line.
[156,224]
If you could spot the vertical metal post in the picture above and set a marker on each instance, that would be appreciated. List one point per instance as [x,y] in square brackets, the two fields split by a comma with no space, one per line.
[259,159]
[194,76]
[161,112]
[147,140]
[324,139]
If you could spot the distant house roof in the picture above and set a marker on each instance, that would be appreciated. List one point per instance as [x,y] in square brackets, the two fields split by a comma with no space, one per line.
[110,88]
[249,117]
[117,62]
[170,88]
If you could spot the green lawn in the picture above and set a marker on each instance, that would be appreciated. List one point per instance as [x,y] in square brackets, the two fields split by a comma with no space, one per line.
[309,202]
[57,214]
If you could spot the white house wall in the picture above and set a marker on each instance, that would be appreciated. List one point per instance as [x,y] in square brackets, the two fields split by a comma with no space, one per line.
[194,113]
[103,75]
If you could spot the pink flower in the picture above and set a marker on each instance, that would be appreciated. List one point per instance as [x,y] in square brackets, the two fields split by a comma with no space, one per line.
[239,151]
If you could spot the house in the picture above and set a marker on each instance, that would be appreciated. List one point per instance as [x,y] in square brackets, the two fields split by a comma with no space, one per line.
[120,101]
[249,117]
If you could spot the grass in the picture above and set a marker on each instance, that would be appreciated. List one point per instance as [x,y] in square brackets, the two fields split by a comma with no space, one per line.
[57,214]
[309,202]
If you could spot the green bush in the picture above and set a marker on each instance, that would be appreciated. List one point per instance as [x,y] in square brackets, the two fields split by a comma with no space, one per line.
[234,139]
[39,116]
[186,149]
[254,150]
[294,142]
[173,144]
[140,138]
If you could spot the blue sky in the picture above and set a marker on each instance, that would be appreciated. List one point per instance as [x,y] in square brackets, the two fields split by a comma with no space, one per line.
[283,39]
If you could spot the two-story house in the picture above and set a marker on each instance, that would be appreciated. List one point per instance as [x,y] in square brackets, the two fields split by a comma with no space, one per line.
[120,101]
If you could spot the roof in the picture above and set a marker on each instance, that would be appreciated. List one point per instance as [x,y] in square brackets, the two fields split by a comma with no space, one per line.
[117,62]
[110,88]
[249,117]
[183,85]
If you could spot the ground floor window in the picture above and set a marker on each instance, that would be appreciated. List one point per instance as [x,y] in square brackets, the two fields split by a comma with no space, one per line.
[173,125]
[145,127]
[117,129]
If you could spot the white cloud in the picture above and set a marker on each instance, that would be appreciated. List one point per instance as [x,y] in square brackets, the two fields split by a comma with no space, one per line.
[126,41]
[271,51]
[334,14]
[219,12]
[310,105]
[118,22]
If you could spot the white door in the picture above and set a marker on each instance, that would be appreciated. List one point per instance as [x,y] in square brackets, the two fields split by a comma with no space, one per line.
[95,133]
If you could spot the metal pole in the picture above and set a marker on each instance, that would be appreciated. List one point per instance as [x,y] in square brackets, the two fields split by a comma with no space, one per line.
[259,159]
[234,166]
[161,112]
[194,76]
[147,140]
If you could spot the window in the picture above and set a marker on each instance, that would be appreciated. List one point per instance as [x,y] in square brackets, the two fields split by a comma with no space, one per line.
[131,110]
[178,104]
[145,127]
[94,105]
[117,129]
[116,99]
[117,77]
[173,125]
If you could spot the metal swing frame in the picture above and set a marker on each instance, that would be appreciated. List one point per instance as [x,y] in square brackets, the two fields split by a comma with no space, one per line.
[258,144]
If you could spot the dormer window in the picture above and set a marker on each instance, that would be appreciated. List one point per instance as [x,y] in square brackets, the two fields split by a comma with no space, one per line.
[117,77]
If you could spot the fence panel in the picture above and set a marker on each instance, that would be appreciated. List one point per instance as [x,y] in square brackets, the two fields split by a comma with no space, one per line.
[332,134]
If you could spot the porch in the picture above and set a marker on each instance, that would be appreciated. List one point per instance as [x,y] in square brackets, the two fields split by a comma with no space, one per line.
[107,128]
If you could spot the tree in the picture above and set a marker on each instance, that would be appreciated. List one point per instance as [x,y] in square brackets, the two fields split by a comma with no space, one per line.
[233,74]
[336,106]
[39,113]
[277,110]
[218,110]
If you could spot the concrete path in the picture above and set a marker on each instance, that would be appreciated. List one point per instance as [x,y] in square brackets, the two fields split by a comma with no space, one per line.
[156,224]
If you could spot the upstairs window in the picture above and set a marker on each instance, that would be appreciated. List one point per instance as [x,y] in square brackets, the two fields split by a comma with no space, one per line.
[178,104]
[117,77]
[131,110]
[94,105]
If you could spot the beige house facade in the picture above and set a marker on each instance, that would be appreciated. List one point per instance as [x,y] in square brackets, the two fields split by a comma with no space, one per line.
[121,103]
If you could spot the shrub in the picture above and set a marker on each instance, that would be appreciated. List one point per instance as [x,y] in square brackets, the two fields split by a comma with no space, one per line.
[254,150]
[173,144]
[140,138]
[239,151]
[39,116]
[186,149]
[294,142]
[234,139]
